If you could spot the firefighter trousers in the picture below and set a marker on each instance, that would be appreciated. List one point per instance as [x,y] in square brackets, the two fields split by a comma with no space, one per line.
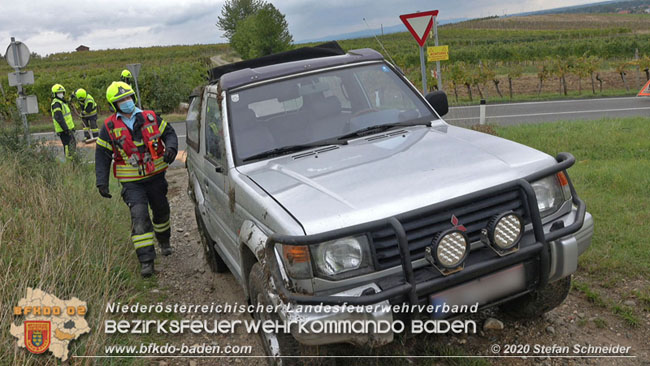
[90,127]
[69,143]
[140,196]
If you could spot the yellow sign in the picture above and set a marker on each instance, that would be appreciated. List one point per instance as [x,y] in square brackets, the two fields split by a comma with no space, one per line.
[438,53]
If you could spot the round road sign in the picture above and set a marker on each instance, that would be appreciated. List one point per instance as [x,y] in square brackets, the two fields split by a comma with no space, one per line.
[17,54]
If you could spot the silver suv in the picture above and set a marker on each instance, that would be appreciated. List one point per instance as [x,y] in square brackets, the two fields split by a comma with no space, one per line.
[325,177]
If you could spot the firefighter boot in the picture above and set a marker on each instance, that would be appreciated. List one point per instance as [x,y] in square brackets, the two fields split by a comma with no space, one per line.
[165,248]
[146,269]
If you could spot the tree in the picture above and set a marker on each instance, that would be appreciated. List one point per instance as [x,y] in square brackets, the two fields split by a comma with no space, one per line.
[543,73]
[592,65]
[234,11]
[490,74]
[514,71]
[561,68]
[621,70]
[644,64]
[581,70]
[457,76]
[262,33]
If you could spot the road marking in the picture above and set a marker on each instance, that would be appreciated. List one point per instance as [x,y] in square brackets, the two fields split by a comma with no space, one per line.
[550,113]
[548,101]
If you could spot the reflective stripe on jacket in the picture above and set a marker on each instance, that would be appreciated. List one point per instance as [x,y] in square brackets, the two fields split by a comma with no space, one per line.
[89,101]
[65,110]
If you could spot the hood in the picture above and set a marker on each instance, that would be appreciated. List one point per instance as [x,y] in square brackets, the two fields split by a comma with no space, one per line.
[383,175]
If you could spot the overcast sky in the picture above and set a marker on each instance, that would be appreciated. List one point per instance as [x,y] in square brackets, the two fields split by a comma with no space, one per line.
[60,26]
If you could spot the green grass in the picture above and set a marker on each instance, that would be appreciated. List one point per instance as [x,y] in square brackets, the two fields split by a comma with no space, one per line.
[612,175]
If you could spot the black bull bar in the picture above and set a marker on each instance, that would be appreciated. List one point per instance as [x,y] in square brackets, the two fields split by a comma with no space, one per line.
[412,289]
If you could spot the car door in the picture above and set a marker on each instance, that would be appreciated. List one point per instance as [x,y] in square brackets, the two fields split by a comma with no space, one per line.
[215,185]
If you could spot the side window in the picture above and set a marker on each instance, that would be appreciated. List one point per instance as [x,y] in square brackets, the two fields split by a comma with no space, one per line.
[213,129]
[194,123]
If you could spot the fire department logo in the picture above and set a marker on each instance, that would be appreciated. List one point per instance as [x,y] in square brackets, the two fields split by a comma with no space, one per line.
[49,324]
[37,335]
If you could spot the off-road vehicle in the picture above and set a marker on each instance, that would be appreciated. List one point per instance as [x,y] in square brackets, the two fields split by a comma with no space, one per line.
[325,177]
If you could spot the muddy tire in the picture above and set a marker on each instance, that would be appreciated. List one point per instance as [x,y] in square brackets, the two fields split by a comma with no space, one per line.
[538,302]
[280,344]
[217,265]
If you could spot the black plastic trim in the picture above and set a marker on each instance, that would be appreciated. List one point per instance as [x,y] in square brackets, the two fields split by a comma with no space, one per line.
[411,289]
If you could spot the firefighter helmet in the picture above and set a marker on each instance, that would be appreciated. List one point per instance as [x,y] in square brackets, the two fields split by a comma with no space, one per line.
[126,75]
[57,88]
[119,90]
[80,94]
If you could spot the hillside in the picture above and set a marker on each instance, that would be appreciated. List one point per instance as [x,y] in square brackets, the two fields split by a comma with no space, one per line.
[504,46]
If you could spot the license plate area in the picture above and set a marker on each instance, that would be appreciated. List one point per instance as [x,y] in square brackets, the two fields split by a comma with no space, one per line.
[483,290]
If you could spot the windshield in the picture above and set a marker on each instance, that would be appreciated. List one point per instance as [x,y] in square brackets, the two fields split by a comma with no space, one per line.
[319,107]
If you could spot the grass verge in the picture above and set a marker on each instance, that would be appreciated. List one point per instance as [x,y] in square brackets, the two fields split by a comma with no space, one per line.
[58,235]
[612,175]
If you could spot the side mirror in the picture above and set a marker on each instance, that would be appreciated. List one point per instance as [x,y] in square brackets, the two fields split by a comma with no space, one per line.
[438,100]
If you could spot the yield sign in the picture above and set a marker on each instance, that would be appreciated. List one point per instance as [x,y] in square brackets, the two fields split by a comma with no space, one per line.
[419,24]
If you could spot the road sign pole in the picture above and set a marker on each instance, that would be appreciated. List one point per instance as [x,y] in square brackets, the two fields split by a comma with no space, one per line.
[135,72]
[22,109]
[423,66]
[137,92]
[435,36]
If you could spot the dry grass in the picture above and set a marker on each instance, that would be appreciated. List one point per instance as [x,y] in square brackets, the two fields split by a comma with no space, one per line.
[59,235]
[560,21]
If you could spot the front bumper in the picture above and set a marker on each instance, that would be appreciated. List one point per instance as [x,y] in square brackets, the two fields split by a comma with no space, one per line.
[549,255]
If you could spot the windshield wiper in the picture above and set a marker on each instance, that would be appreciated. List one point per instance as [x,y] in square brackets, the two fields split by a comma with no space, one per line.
[425,121]
[293,148]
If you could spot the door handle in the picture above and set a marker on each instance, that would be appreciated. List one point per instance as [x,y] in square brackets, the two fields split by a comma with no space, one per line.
[205,181]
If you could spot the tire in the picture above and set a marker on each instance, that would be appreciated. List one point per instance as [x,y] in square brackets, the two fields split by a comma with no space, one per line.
[282,344]
[536,303]
[217,265]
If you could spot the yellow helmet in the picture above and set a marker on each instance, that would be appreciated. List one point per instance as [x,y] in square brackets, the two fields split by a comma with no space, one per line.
[119,90]
[126,75]
[57,88]
[80,93]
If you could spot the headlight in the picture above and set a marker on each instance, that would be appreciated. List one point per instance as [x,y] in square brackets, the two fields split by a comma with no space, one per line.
[334,257]
[448,252]
[503,233]
[550,194]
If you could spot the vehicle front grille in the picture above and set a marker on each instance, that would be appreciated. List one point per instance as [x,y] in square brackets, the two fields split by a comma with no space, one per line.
[422,227]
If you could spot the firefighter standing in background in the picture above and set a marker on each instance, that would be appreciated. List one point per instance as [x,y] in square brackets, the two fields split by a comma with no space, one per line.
[62,119]
[127,77]
[88,109]
[141,145]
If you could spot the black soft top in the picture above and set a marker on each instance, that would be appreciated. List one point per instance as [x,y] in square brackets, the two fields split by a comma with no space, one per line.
[286,63]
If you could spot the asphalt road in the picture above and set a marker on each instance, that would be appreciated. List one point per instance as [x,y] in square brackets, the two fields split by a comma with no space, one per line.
[500,114]
[537,112]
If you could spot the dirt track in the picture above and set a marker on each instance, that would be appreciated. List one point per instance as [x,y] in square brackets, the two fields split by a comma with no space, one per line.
[186,278]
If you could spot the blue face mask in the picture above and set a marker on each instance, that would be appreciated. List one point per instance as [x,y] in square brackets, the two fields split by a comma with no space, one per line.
[127,107]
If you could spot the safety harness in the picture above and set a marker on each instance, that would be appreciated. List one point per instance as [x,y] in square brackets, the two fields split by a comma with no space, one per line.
[135,160]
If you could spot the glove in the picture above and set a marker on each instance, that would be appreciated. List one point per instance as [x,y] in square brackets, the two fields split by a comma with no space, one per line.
[103,191]
[169,156]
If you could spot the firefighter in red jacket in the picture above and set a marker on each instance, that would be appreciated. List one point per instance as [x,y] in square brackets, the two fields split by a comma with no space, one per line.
[141,145]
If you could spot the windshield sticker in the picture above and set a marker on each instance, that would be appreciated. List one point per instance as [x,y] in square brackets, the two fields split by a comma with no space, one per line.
[385,68]
[234,98]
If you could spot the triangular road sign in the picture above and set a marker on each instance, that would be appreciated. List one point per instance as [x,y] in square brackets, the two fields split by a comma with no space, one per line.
[645,91]
[419,24]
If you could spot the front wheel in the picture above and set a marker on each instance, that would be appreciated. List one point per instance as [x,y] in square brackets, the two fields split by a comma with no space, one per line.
[538,302]
[217,265]
[282,344]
